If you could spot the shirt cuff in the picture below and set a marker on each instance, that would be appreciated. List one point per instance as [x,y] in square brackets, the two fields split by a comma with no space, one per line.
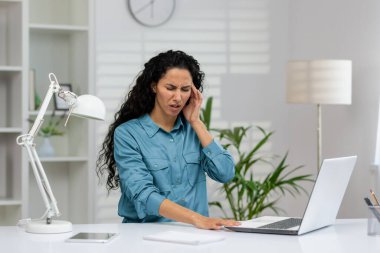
[213,149]
[153,203]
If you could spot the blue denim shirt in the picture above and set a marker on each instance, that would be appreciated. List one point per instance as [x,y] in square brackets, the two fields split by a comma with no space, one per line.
[154,164]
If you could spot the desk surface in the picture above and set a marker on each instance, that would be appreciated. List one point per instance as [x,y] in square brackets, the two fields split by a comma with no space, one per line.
[345,236]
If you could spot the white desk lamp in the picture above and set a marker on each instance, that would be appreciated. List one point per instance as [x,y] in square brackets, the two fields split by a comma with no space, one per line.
[85,106]
[319,82]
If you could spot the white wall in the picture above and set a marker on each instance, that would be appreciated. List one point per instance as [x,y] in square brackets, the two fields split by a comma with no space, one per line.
[292,29]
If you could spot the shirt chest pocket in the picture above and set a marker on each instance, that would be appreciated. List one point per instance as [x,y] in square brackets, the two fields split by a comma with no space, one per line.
[159,169]
[195,173]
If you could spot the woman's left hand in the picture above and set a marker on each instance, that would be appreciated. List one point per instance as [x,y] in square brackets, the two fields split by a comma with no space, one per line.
[192,110]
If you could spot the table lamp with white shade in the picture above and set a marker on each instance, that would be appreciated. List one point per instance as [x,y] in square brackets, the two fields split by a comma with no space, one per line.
[85,106]
[319,82]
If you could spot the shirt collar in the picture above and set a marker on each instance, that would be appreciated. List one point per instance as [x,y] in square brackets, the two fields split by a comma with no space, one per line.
[152,128]
[178,124]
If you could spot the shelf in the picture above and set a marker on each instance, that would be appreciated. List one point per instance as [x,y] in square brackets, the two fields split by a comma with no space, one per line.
[65,53]
[57,28]
[10,97]
[10,202]
[64,159]
[11,130]
[10,68]
[10,168]
[58,12]
[10,33]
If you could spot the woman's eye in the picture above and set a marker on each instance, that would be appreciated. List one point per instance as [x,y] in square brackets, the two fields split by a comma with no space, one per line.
[186,90]
[170,88]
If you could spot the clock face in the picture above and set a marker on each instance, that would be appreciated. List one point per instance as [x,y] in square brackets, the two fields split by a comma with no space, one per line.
[151,12]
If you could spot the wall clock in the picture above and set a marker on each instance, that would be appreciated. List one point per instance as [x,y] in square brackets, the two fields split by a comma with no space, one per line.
[151,12]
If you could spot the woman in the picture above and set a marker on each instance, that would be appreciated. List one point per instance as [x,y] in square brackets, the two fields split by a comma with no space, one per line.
[158,150]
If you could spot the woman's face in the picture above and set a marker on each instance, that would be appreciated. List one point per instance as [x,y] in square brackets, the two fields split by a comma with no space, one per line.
[172,92]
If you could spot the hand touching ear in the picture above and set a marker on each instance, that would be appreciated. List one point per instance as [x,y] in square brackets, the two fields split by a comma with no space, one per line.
[192,110]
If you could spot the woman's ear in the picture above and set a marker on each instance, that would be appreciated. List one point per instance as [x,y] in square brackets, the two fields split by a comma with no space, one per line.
[154,87]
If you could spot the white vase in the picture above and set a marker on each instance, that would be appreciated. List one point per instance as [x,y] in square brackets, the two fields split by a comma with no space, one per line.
[46,149]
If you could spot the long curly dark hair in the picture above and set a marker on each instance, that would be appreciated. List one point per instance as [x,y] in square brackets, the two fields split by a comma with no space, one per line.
[139,101]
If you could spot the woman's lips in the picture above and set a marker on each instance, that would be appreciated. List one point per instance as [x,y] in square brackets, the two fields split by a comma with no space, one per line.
[175,107]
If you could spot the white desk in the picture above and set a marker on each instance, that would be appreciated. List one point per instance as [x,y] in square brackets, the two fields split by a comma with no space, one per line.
[345,236]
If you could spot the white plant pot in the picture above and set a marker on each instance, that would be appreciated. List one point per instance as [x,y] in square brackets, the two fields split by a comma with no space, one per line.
[46,149]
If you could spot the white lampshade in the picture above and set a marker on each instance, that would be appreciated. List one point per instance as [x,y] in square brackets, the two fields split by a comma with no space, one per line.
[88,106]
[319,82]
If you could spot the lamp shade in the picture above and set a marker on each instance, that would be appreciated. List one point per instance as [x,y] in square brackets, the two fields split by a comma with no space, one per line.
[88,106]
[319,82]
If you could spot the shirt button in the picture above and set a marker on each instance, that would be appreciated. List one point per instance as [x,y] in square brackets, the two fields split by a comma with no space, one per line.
[209,153]
[178,181]
[171,140]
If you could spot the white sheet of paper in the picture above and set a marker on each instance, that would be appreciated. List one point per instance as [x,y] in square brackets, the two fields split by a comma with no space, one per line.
[184,238]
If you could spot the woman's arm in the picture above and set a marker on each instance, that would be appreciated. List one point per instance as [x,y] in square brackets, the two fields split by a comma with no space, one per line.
[218,163]
[179,213]
[203,134]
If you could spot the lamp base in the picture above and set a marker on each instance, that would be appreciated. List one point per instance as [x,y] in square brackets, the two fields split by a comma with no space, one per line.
[55,227]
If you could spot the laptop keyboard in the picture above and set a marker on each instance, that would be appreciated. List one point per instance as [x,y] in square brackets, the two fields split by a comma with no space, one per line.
[284,224]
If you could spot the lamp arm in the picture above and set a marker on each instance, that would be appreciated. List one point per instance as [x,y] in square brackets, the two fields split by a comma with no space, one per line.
[42,182]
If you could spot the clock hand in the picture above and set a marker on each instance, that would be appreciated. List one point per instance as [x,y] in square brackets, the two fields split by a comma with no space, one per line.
[144,7]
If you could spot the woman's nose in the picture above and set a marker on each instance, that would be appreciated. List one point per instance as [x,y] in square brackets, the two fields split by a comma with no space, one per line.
[177,96]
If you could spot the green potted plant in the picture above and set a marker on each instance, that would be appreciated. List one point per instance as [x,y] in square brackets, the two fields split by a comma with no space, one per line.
[246,195]
[51,128]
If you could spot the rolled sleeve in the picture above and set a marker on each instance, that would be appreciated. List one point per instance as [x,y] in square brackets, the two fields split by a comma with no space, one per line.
[218,163]
[153,203]
[213,149]
[135,179]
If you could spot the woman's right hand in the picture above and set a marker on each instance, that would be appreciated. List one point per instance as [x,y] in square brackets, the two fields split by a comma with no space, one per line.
[203,222]
[173,211]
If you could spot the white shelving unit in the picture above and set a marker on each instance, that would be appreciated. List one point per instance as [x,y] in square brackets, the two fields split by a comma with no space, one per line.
[10,68]
[46,36]
[11,125]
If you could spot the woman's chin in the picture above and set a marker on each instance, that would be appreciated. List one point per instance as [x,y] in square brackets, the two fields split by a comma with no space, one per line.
[174,115]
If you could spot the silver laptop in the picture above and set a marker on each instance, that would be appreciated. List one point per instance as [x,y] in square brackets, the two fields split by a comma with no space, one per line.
[322,208]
